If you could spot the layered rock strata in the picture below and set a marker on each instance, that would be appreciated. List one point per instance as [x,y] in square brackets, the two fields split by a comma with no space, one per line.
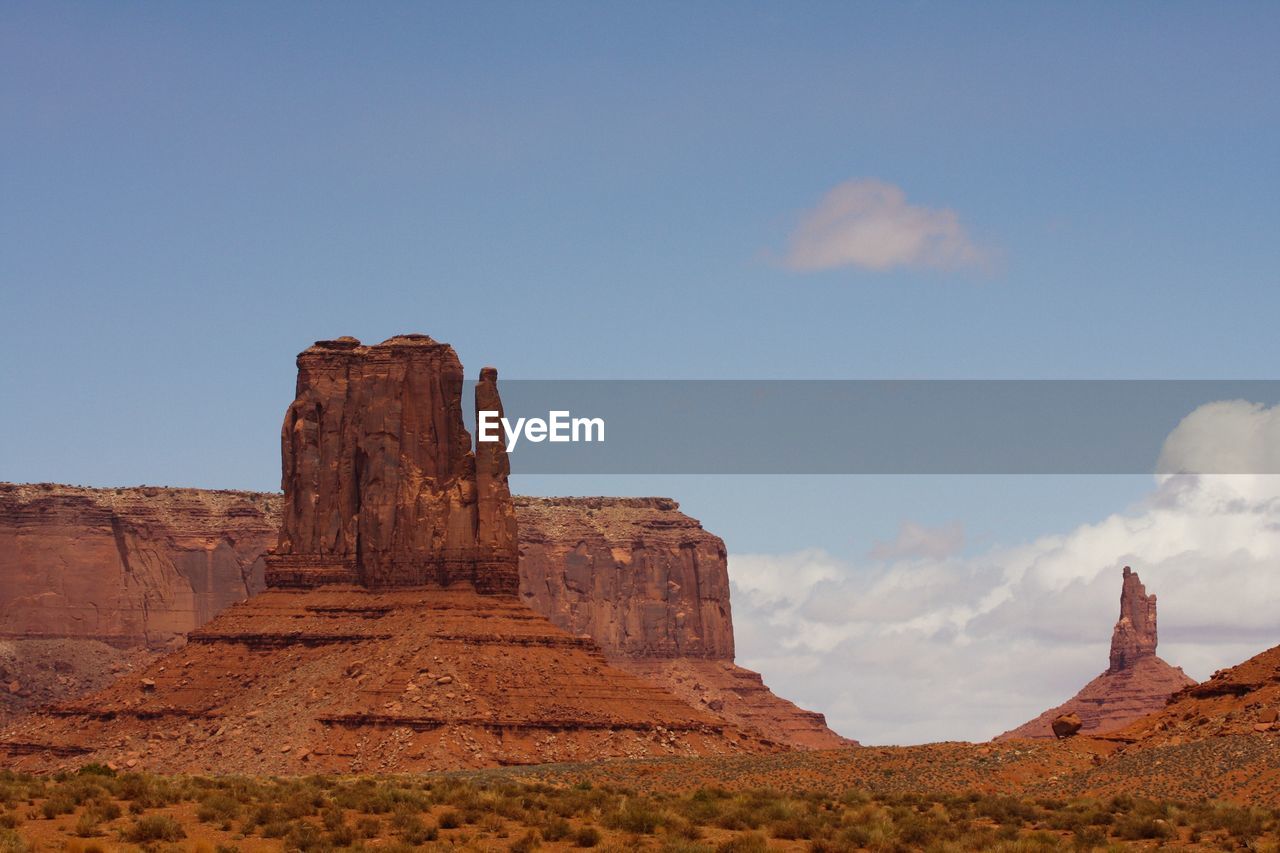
[1136,683]
[394,567]
[128,567]
[382,487]
[345,679]
[651,586]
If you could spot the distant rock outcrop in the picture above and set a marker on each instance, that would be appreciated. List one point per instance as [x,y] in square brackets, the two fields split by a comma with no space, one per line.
[1136,683]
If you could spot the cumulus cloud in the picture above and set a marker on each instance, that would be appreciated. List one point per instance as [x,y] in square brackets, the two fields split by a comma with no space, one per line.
[915,646]
[1227,437]
[869,224]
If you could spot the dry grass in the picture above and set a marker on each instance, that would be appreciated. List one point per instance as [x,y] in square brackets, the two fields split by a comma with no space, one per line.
[96,810]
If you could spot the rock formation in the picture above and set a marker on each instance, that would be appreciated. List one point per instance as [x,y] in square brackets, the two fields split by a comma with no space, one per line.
[651,587]
[643,580]
[1066,725]
[367,503]
[1242,700]
[390,637]
[1136,683]
[1134,637]
[381,484]
[128,567]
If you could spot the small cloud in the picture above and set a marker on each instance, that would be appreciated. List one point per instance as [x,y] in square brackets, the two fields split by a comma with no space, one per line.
[869,224]
[917,541]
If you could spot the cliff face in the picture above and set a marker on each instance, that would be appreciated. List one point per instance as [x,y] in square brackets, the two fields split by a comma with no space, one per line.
[382,487]
[145,566]
[128,567]
[648,584]
[645,581]
[641,578]
[1135,684]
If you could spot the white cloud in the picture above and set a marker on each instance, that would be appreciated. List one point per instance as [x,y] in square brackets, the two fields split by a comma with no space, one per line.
[1227,437]
[917,540]
[918,647]
[869,224]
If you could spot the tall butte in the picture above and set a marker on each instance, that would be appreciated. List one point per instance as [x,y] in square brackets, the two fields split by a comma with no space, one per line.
[390,637]
[1136,683]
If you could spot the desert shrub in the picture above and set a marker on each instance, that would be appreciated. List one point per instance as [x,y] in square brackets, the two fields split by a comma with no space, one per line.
[638,816]
[218,808]
[59,804]
[260,816]
[796,827]
[414,831]
[332,818]
[304,836]
[1006,810]
[1122,803]
[154,828]
[1137,827]
[343,836]
[677,826]
[9,820]
[12,842]
[555,828]
[751,842]
[147,792]
[450,819]
[1240,822]
[87,825]
[94,768]
[1088,837]
[739,816]
[369,827]
[299,804]
[529,841]
[587,836]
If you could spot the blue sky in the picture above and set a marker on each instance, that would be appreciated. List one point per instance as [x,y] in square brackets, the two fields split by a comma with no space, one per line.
[192,193]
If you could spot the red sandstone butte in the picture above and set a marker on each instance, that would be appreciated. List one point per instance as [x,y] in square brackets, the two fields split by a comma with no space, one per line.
[144,566]
[1135,684]
[391,636]
[381,484]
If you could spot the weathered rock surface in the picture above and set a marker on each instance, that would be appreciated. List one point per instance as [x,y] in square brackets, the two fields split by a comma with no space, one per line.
[35,672]
[1066,725]
[347,679]
[1136,683]
[642,579]
[380,478]
[128,567]
[651,587]
[1134,636]
[1239,700]
[394,571]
